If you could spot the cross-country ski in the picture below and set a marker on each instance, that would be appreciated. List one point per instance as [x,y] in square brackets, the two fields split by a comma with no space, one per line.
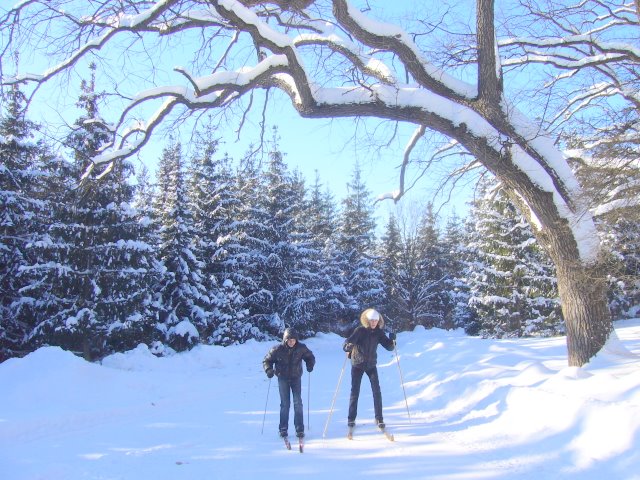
[389,436]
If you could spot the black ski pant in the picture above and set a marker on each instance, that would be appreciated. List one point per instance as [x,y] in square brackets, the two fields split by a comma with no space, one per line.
[289,387]
[356,380]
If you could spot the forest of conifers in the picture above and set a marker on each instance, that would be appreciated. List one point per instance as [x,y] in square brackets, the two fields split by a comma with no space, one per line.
[219,250]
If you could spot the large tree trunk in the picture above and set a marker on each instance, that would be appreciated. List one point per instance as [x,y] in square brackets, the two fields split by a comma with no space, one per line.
[581,282]
[583,295]
[581,285]
[585,310]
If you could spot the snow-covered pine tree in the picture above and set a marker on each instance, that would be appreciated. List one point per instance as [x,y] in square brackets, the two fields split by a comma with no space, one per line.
[394,270]
[621,241]
[309,288]
[289,260]
[512,287]
[433,302]
[356,243]
[143,203]
[96,270]
[213,203]
[241,249]
[20,174]
[186,305]
[320,219]
[458,314]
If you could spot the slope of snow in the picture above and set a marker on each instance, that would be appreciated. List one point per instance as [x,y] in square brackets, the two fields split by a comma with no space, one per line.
[479,409]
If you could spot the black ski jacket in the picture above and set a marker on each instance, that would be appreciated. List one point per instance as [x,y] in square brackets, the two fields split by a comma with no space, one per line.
[363,346]
[288,361]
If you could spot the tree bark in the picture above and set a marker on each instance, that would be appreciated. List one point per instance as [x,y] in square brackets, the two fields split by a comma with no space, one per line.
[489,77]
[582,287]
[586,312]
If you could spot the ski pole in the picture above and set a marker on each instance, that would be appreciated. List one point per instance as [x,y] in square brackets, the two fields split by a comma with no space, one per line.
[401,380]
[324,434]
[265,407]
[308,403]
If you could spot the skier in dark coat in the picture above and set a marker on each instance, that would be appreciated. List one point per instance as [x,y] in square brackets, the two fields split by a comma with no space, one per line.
[362,346]
[287,359]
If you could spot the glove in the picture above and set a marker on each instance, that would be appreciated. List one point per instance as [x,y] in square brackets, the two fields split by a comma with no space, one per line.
[270,373]
[309,369]
[392,337]
[347,347]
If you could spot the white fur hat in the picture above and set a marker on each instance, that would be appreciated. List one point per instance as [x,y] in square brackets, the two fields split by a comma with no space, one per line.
[373,314]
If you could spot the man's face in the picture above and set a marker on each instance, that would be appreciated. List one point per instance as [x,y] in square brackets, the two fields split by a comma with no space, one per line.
[291,341]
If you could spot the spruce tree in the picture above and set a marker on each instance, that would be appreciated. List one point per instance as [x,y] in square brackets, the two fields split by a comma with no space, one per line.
[321,215]
[356,243]
[458,314]
[185,303]
[319,218]
[213,203]
[290,261]
[513,290]
[394,270]
[242,249]
[20,208]
[96,271]
[433,300]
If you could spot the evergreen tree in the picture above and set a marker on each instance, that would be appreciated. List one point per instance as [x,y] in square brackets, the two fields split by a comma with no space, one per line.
[185,301]
[512,287]
[20,175]
[394,271]
[416,275]
[356,243]
[320,286]
[433,303]
[319,218]
[213,202]
[621,241]
[95,271]
[287,253]
[241,250]
[458,314]
[321,215]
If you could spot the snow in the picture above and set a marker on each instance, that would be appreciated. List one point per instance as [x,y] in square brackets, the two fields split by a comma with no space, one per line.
[480,409]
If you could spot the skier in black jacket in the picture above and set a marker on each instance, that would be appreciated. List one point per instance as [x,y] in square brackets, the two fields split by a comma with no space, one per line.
[362,346]
[287,359]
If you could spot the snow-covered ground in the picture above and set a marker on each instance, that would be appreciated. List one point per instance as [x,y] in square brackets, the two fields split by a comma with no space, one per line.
[480,409]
